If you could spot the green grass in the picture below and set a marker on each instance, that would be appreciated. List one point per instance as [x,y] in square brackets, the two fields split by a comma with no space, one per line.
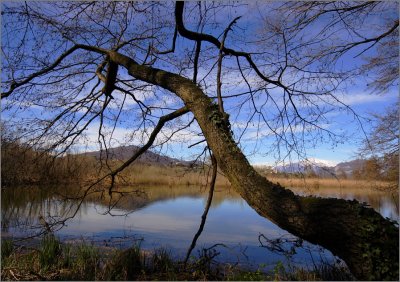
[86,261]
[53,260]
[50,250]
[6,249]
[126,265]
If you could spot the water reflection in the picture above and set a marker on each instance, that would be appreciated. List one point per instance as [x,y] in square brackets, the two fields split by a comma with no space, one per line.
[386,203]
[167,216]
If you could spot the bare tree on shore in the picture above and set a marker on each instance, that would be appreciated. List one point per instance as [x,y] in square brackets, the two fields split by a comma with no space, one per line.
[71,69]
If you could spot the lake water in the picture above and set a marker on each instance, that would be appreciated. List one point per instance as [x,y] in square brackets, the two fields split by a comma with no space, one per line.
[169,217]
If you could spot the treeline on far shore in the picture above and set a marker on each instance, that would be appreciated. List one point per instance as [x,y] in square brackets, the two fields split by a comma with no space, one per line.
[22,165]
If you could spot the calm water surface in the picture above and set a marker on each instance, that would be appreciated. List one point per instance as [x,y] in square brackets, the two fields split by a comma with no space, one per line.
[169,217]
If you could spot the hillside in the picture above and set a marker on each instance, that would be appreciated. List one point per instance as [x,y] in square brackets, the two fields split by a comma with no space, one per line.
[125,152]
[349,167]
[149,157]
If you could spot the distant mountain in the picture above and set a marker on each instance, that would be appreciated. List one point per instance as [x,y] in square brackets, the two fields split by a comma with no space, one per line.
[125,152]
[321,169]
[318,168]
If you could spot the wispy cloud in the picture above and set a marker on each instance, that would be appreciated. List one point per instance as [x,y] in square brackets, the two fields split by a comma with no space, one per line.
[262,131]
[119,136]
[364,98]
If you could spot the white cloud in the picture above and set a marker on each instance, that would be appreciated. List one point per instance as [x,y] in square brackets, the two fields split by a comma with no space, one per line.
[124,136]
[262,130]
[364,98]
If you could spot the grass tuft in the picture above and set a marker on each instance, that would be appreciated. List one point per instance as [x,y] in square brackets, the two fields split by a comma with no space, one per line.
[126,265]
[7,248]
[86,262]
[50,251]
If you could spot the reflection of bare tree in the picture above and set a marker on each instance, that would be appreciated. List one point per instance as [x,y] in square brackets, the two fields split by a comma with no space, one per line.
[288,246]
[23,209]
[206,209]
[22,206]
[283,245]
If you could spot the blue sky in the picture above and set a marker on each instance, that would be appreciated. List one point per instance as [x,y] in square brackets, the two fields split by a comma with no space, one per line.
[362,102]
[257,141]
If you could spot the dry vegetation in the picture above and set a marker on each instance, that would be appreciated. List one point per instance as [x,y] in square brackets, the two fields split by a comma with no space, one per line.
[23,165]
[166,175]
[145,174]
[315,183]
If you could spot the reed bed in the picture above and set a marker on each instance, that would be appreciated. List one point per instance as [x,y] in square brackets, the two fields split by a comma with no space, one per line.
[170,175]
[315,183]
[152,175]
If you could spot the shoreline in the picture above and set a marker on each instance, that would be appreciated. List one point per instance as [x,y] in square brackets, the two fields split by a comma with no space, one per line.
[54,260]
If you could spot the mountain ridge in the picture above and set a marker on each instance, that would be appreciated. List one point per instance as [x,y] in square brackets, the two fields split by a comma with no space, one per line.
[123,153]
[322,169]
[149,157]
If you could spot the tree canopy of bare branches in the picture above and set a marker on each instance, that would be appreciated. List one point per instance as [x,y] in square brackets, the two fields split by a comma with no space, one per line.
[77,70]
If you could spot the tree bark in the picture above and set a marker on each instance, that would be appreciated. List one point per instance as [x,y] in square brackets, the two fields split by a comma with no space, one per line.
[366,241]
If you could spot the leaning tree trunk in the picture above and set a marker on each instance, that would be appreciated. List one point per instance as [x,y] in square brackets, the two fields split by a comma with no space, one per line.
[366,241]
